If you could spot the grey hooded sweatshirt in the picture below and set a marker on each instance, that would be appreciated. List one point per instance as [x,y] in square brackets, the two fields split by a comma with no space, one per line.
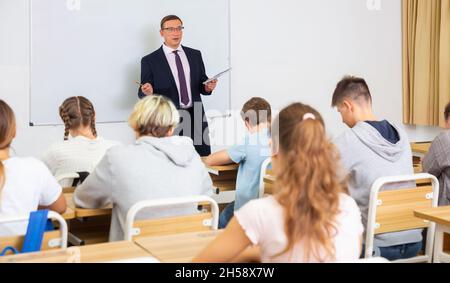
[367,156]
[151,168]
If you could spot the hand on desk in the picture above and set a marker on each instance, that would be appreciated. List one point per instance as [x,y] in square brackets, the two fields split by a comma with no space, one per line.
[209,87]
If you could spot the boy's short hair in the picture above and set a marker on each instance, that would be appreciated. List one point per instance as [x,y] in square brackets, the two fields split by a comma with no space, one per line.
[447,112]
[256,111]
[352,88]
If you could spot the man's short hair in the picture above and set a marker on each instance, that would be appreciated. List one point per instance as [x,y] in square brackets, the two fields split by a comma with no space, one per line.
[447,112]
[169,18]
[256,111]
[352,88]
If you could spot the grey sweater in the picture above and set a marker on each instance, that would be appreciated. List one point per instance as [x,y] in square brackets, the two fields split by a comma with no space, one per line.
[367,156]
[437,162]
[151,168]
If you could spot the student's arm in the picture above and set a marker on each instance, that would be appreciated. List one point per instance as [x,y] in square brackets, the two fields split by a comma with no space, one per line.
[218,158]
[96,190]
[227,246]
[51,196]
[59,205]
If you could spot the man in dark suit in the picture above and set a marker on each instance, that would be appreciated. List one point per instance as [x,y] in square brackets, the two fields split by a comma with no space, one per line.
[178,72]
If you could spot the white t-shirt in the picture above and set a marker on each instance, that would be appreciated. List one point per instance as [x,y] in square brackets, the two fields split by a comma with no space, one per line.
[78,154]
[263,223]
[28,184]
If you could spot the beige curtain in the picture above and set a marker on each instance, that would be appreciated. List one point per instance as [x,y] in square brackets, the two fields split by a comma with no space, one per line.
[426,61]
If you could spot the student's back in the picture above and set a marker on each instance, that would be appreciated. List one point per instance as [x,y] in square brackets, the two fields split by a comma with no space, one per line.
[151,168]
[25,183]
[28,185]
[371,149]
[78,154]
[369,156]
[82,148]
[250,154]
[437,160]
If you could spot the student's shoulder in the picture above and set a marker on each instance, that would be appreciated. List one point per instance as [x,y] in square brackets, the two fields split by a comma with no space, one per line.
[262,205]
[345,138]
[443,138]
[109,143]
[122,151]
[348,204]
[29,164]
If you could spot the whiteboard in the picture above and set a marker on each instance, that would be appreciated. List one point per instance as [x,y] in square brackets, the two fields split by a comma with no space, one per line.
[94,48]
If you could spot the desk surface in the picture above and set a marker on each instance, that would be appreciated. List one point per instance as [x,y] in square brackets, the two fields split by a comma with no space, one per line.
[84,212]
[269,179]
[113,251]
[69,214]
[216,170]
[421,148]
[439,215]
[178,248]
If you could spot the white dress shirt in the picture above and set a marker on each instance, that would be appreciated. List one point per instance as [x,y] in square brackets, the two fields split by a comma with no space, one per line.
[173,67]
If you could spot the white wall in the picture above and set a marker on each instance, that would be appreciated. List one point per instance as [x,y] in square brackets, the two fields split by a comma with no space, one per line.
[290,50]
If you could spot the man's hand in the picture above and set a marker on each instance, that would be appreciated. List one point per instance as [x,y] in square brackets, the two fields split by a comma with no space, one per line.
[147,89]
[209,87]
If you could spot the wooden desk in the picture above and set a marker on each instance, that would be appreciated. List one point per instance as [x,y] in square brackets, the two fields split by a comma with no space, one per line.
[84,212]
[224,182]
[269,181]
[113,251]
[440,216]
[69,255]
[420,149]
[69,214]
[108,252]
[178,248]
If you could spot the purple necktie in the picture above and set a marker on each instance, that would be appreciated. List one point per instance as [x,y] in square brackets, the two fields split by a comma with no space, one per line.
[182,78]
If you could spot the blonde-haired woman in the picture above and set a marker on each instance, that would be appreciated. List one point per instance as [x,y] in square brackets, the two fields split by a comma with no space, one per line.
[310,218]
[26,184]
[157,165]
[84,150]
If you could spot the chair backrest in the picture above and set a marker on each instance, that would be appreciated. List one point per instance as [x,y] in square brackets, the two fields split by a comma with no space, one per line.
[71,179]
[393,210]
[171,225]
[264,171]
[66,180]
[51,240]
[69,255]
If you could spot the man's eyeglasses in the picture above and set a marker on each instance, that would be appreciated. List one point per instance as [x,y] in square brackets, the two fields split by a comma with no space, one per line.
[171,30]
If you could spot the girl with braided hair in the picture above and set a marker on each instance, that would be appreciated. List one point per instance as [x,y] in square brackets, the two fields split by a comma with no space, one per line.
[82,148]
[26,184]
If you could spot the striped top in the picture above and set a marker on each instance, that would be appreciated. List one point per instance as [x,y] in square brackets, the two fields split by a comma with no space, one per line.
[78,154]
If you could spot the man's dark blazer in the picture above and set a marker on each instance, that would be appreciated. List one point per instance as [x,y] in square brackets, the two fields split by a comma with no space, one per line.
[155,70]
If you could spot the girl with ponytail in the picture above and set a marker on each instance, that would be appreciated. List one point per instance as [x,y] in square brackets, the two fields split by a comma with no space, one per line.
[84,149]
[26,184]
[310,217]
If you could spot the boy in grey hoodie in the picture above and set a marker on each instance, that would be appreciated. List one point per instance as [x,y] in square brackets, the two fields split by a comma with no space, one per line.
[371,149]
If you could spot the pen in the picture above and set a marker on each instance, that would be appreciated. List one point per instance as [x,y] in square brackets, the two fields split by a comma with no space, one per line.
[138,83]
